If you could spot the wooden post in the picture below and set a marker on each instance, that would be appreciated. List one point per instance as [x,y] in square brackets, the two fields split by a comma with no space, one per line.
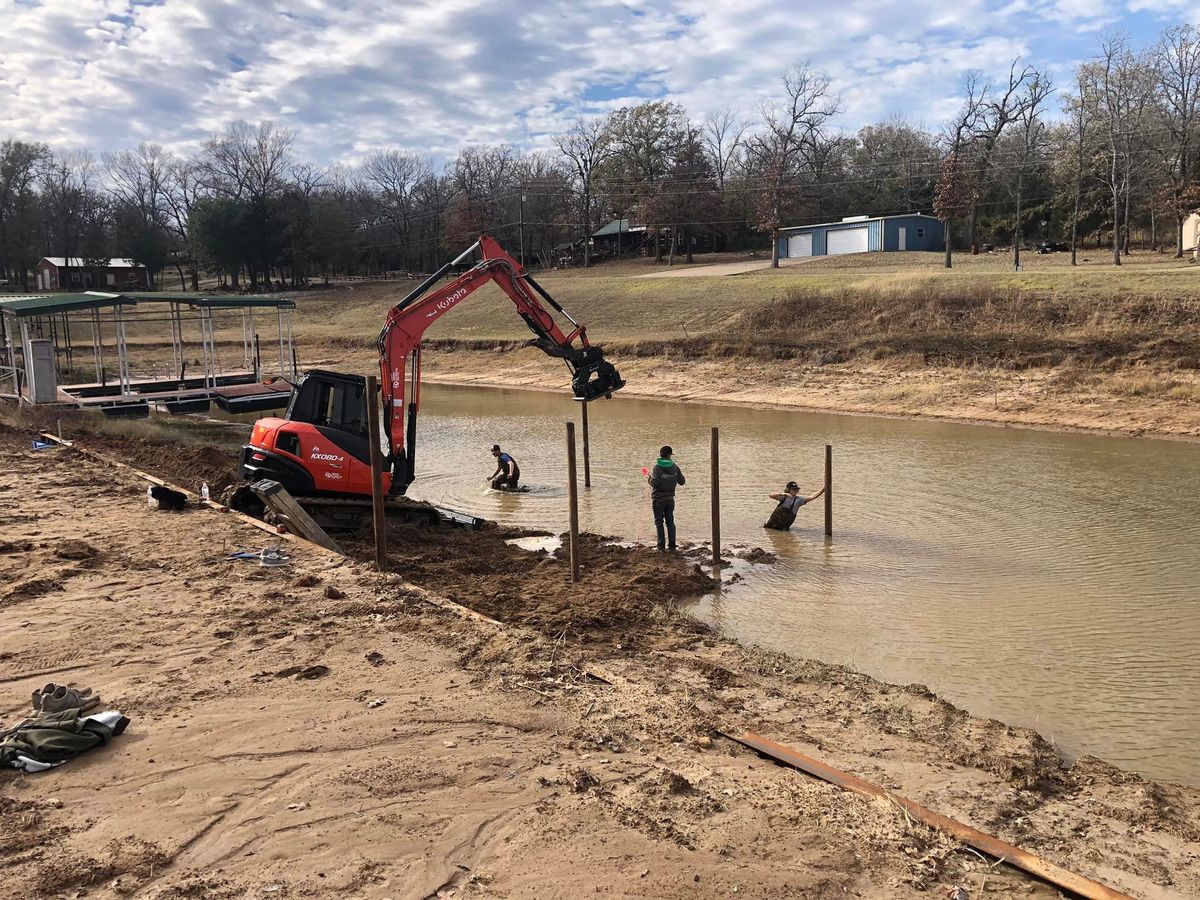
[376,474]
[715,464]
[573,495]
[828,490]
[587,455]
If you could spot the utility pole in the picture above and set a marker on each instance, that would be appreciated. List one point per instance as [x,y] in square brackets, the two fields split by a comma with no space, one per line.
[522,228]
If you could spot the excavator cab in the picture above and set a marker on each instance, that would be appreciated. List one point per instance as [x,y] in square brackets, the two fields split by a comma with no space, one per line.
[321,444]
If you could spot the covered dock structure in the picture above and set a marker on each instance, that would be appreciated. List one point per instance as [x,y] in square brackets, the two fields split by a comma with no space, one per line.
[74,350]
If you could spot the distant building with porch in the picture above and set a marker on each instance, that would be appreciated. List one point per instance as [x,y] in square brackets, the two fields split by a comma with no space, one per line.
[618,236]
[56,273]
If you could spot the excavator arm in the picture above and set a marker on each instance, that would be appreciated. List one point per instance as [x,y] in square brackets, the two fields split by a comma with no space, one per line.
[592,377]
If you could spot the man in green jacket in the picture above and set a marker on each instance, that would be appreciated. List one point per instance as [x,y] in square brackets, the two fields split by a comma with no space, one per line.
[663,479]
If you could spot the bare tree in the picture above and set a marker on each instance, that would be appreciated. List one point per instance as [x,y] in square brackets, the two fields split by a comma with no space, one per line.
[1080,107]
[723,135]
[998,108]
[1030,138]
[586,144]
[1176,61]
[183,187]
[137,180]
[956,191]
[1121,86]
[387,182]
[791,135]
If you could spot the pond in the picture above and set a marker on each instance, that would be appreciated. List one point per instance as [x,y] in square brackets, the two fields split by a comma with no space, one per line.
[1049,580]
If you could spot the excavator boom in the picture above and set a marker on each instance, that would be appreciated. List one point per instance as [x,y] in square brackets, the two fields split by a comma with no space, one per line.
[320,448]
[592,377]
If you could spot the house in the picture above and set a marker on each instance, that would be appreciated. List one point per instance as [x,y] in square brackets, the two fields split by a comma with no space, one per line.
[55,273]
[618,236]
[862,234]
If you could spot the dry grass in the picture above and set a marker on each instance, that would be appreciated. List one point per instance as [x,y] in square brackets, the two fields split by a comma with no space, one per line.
[900,307]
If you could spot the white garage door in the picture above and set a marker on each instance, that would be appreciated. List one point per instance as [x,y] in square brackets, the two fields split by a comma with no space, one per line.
[846,240]
[799,245]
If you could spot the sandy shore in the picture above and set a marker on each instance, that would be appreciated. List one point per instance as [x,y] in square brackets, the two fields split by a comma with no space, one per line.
[1042,399]
[442,755]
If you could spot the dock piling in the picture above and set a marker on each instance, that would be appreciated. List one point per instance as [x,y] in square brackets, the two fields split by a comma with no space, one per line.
[828,490]
[587,454]
[377,513]
[573,499]
[715,469]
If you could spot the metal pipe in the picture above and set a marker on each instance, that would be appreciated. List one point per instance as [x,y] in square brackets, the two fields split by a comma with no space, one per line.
[435,277]
[279,323]
[291,346]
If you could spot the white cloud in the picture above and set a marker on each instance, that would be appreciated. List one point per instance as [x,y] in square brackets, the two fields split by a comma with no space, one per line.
[432,75]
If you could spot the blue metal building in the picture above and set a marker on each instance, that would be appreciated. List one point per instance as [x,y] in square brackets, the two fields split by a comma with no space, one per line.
[862,234]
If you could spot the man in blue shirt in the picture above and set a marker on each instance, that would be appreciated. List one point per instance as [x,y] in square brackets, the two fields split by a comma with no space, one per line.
[508,474]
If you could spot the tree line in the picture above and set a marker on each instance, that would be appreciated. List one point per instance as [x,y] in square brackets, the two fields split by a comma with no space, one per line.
[1110,158]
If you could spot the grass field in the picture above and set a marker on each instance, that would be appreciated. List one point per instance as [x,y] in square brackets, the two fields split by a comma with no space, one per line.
[1053,346]
[849,304]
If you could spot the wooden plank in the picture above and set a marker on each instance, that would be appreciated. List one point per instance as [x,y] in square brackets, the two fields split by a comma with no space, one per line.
[985,843]
[285,507]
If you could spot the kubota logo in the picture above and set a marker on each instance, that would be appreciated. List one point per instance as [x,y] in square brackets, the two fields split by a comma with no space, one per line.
[326,457]
[447,302]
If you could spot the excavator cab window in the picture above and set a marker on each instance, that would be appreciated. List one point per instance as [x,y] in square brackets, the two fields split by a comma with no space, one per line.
[331,401]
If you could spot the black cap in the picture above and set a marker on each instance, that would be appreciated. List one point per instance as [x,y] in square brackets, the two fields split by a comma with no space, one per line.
[665,452]
[495,448]
[792,486]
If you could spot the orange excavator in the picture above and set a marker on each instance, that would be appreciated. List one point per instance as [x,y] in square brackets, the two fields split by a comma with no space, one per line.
[320,451]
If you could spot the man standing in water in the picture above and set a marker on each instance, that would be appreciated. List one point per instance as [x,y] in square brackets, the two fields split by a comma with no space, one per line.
[790,502]
[508,474]
[663,479]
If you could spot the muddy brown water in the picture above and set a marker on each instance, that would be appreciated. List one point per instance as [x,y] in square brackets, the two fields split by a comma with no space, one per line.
[1048,580]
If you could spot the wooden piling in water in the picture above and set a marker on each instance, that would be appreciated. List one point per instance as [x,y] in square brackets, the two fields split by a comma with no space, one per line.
[828,490]
[587,454]
[573,501]
[377,513]
[715,470]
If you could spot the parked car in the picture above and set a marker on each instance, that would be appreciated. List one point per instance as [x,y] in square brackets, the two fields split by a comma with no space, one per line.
[1053,247]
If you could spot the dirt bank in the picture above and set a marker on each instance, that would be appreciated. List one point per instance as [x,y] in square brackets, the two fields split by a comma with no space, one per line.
[1135,403]
[622,590]
[444,754]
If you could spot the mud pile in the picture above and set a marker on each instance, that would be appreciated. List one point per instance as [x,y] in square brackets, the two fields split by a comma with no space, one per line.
[621,588]
[183,464]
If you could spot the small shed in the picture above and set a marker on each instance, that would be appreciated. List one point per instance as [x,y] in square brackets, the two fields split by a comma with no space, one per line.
[56,273]
[862,234]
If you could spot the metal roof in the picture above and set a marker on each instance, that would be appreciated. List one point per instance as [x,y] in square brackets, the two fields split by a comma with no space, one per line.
[81,263]
[618,225]
[854,220]
[217,301]
[50,304]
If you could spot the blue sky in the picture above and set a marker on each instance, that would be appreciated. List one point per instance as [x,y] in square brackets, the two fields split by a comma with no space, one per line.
[434,75]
